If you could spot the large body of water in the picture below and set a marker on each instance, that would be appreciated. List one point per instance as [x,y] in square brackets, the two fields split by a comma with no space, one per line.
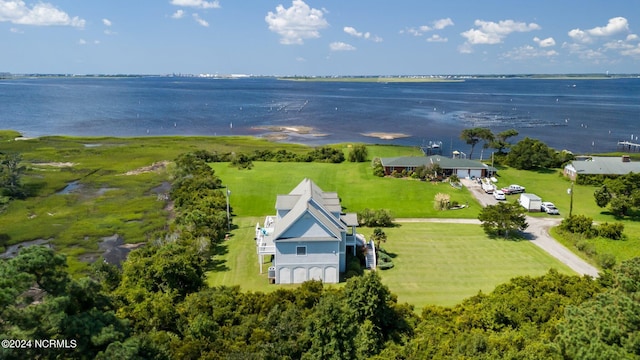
[578,115]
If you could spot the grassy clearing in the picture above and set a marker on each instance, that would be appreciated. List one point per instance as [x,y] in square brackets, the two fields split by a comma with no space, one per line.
[253,192]
[435,263]
[442,264]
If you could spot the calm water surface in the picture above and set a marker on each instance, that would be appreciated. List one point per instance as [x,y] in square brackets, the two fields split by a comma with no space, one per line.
[579,115]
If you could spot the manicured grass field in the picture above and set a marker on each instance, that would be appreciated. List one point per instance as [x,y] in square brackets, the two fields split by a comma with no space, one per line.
[442,264]
[253,192]
[435,263]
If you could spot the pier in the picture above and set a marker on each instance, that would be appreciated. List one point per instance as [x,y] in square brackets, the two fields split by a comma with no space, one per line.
[628,146]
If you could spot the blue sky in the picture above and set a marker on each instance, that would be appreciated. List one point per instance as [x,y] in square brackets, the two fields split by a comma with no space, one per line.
[311,37]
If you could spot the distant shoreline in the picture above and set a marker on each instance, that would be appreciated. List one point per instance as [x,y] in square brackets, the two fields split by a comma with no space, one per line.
[331,78]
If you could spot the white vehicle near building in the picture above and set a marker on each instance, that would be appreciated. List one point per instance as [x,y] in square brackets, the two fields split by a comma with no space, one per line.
[549,208]
[488,186]
[499,195]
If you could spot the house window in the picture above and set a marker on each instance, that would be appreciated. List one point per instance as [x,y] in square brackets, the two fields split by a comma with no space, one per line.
[301,250]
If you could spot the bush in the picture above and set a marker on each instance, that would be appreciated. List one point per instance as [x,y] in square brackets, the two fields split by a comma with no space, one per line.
[579,224]
[378,169]
[375,218]
[611,231]
[441,201]
[358,153]
[607,261]
[384,260]
[586,247]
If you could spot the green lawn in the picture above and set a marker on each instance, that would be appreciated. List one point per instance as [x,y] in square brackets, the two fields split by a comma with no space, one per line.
[435,263]
[253,192]
[442,264]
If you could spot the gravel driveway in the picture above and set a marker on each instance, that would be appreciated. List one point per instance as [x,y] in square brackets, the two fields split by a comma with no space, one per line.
[538,233]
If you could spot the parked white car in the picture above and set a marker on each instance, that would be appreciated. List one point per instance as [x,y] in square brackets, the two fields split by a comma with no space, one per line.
[549,208]
[499,195]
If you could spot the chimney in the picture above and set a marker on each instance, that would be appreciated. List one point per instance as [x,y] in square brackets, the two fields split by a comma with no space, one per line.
[625,158]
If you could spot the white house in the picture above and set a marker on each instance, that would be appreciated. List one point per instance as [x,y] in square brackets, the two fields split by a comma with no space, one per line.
[308,236]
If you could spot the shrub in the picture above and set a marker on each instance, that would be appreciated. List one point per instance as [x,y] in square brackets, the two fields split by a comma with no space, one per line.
[358,153]
[611,231]
[378,169]
[579,224]
[441,201]
[375,218]
[606,261]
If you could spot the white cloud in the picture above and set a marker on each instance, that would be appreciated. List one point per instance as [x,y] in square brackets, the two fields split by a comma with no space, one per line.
[179,14]
[40,14]
[544,42]
[632,37]
[297,23]
[352,31]
[489,32]
[200,20]
[367,35]
[340,46]
[82,42]
[106,22]
[436,38]
[197,4]
[614,26]
[434,25]
[16,31]
[442,23]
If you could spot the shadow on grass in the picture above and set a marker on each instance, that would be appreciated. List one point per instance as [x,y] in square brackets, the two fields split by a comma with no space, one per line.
[545,170]
[515,236]
[217,264]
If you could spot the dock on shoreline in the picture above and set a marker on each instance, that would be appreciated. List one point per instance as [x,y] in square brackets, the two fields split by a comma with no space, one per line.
[628,146]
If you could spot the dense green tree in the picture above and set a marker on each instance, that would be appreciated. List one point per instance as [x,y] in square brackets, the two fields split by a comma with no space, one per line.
[621,194]
[503,219]
[331,330]
[500,142]
[358,153]
[42,302]
[607,327]
[472,136]
[530,154]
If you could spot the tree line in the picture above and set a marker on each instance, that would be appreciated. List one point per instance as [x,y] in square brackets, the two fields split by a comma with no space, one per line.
[326,154]
[159,307]
[526,154]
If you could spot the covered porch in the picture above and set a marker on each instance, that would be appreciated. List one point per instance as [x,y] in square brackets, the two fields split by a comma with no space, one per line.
[264,240]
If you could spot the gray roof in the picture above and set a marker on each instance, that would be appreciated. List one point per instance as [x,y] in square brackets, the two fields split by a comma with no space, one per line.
[605,166]
[308,198]
[444,162]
